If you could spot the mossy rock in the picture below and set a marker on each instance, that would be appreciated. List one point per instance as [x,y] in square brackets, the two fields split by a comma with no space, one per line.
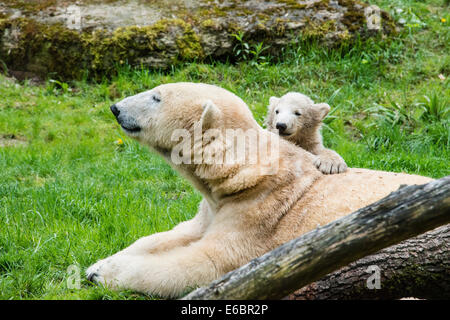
[67,40]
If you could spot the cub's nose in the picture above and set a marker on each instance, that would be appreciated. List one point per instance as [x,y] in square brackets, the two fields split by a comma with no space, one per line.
[114,110]
[281,126]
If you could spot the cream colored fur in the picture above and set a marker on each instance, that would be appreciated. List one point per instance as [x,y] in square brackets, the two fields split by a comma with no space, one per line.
[243,214]
[303,119]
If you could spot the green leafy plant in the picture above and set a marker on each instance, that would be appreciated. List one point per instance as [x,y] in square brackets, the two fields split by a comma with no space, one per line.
[435,108]
[55,85]
[247,52]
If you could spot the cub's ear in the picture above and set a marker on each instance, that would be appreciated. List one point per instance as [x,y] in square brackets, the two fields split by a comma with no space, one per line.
[322,110]
[273,101]
[211,115]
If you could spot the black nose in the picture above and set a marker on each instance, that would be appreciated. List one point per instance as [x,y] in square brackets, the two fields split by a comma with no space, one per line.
[114,110]
[281,126]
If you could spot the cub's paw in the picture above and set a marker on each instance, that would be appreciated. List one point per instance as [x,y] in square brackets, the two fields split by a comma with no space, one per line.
[329,165]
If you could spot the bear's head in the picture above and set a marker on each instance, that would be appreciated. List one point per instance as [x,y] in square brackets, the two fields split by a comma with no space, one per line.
[294,114]
[152,117]
[189,125]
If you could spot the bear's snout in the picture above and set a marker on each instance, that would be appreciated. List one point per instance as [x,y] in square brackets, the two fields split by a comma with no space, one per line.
[128,123]
[281,126]
[115,110]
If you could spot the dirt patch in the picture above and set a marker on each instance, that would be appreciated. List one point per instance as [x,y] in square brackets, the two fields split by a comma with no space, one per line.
[21,76]
[11,140]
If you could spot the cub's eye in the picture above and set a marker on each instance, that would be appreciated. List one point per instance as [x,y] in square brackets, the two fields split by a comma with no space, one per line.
[276,111]
[297,113]
[156,99]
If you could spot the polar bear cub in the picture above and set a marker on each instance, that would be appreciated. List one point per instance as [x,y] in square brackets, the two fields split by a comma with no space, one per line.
[298,119]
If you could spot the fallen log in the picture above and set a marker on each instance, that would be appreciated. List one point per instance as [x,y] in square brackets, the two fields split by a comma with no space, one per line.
[403,214]
[418,267]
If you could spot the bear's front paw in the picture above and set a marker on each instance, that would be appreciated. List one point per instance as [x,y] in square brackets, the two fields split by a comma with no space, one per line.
[330,166]
[106,272]
[94,273]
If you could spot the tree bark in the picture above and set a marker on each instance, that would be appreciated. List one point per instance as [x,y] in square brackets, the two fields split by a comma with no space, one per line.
[418,267]
[403,214]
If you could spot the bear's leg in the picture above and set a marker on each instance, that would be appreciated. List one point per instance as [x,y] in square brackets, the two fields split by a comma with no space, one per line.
[167,274]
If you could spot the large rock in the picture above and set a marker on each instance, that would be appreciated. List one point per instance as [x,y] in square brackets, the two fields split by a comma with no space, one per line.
[64,39]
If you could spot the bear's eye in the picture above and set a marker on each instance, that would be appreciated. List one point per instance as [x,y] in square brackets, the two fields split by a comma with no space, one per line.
[297,113]
[276,111]
[156,99]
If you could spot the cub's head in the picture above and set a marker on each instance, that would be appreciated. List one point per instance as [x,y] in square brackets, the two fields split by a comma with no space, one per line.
[294,114]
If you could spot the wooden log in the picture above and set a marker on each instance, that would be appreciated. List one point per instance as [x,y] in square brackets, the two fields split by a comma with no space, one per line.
[403,214]
[418,267]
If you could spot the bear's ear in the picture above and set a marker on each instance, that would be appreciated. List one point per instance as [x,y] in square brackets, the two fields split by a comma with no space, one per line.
[273,101]
[322,110]
[211,115]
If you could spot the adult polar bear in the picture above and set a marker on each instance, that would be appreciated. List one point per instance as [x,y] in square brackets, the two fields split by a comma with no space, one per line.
[243,214]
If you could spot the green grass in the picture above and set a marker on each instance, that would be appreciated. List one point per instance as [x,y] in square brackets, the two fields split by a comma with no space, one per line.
[71,195]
